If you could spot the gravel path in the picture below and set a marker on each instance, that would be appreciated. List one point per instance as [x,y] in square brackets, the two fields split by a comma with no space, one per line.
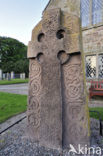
[15,88]
[14,143]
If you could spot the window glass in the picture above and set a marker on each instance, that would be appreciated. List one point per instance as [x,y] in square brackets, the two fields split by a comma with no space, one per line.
[85,12]
[97,11]
[91,66]
[100,66]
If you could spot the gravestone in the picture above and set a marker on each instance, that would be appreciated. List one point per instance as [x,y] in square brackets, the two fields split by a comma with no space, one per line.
[12,75]
[0,74]
[57,105]
[22,76]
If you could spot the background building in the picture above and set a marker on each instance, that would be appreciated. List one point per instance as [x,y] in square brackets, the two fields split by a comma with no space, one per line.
[91,12]
[92,28]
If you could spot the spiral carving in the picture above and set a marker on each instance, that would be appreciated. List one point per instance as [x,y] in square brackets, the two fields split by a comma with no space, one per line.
[33,104]
[72,81]
[73,92]
[34,99]
[72,73]
[34,120]
[35,69]
[35,87]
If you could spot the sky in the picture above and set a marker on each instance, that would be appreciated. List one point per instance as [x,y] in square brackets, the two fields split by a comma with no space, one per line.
[19,17]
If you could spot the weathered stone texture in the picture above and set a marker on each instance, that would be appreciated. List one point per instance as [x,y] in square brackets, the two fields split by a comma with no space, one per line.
[57,106]
[75,122]
[93,40]
[34,99]
[68,6]
[46,48]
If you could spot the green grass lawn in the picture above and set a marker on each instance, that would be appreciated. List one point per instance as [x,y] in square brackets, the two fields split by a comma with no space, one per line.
[11,104]
[94,115]
[13,81]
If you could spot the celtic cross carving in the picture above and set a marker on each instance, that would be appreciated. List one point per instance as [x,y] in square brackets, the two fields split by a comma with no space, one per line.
[50,41]
[56,102]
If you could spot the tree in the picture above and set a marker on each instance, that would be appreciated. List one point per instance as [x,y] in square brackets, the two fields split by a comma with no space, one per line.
[13,56]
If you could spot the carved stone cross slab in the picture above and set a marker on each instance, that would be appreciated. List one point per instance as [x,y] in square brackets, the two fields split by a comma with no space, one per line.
[47,50]
[56,102]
